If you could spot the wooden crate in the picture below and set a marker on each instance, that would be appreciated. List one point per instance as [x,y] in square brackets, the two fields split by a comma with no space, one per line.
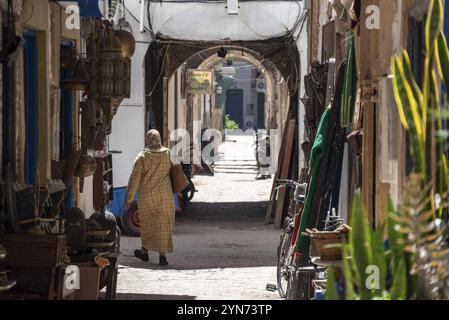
[36,251]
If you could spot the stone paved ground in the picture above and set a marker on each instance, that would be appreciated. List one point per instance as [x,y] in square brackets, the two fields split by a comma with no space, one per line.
[223,250]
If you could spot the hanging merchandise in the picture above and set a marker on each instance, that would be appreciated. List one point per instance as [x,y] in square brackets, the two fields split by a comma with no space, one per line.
[127,41]
[86,166]
[112,70]
[349,85]
[324,166]
[79,81]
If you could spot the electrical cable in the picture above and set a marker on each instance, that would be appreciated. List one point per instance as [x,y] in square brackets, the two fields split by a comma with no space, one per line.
[161,73]
[135,18]
[152,35]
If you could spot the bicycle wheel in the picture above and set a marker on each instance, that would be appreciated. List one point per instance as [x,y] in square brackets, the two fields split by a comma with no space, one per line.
[282,266]
[300,284]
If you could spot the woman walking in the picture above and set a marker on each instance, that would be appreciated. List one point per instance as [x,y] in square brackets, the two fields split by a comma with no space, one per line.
[150,178]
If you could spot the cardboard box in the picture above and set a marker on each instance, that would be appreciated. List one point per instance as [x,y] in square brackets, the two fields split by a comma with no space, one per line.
[89,281]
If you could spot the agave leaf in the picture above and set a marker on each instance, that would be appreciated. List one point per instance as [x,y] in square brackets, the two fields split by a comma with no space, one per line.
[434,23]
[399,93]
[348,274]
[399,287]
[443,60]
[395,238]
[331,285]
[417,93]
[360,240]
[379,258]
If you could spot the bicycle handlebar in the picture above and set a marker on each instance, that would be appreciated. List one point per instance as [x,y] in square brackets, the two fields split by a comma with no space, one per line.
[297,185]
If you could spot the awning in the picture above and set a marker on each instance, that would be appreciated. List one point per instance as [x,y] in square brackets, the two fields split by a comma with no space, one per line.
[88,8]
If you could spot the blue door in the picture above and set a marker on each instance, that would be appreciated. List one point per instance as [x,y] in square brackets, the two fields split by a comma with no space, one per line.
[234,105]
[31,105]
[66,124]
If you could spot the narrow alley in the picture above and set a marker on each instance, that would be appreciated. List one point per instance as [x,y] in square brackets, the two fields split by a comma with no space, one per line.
[201,150]
[223,249]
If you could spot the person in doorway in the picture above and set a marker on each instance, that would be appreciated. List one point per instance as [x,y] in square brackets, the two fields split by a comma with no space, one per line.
[150,178]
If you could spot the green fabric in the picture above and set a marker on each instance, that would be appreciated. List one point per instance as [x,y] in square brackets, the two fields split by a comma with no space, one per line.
[226,83]
[315,159]
[348,96]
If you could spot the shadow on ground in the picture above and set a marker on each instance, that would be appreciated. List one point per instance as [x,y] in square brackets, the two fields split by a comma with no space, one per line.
[215,236]
[139,296]
[225,213]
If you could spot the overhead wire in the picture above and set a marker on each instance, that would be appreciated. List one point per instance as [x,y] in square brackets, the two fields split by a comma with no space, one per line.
[152,35]
[161,73]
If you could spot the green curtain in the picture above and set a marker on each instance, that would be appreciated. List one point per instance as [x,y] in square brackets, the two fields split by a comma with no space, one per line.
[349,86]
[315,159]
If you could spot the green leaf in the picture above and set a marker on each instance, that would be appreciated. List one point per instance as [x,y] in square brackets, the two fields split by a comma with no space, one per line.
[348,273]
[434,23]
[405,98]
[379,258]
[331,285]
[417,93]
[394,238]
[443,60]
[399,288]
[399,93]
[360,240]
[348,96]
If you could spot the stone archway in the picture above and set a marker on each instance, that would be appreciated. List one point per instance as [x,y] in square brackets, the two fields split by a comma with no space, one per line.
[164,56]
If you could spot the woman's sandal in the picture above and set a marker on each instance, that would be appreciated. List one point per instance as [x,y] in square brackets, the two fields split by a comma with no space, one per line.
[142,256]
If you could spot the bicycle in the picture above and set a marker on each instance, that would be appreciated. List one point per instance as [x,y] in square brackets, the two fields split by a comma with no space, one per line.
[286,249]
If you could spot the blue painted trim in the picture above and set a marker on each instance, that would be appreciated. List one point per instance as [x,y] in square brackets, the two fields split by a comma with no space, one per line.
[30,56]
[66,127]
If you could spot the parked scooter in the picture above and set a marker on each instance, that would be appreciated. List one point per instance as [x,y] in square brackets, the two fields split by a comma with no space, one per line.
[188,193]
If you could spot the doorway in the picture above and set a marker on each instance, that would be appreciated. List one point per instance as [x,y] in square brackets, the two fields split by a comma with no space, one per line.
[30,57]
[234,106]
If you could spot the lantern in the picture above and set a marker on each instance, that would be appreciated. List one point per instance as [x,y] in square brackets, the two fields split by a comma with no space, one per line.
[127,41]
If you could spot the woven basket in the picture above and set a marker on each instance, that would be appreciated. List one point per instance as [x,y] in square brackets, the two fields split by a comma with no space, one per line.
[327,244]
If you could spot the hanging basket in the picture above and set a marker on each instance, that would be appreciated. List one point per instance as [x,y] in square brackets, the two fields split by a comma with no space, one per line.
[86,166]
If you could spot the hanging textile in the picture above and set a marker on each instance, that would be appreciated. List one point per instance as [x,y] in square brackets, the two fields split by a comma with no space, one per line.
[325,166]
[349,85]
[315,159]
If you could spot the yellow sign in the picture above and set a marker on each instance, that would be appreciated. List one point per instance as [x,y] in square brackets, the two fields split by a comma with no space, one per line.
[199,82]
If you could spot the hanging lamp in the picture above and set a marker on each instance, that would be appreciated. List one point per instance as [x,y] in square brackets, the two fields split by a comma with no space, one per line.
[127,41]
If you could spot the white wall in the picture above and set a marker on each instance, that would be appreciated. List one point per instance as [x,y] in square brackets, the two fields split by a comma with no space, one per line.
[128,125]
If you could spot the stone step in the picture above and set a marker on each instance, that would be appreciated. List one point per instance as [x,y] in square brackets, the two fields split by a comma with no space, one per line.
[235,164]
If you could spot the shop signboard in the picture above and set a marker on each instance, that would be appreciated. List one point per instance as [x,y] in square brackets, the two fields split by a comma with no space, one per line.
[199,81]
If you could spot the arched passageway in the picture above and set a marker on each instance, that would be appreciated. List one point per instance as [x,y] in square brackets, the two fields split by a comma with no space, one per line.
[164,57]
